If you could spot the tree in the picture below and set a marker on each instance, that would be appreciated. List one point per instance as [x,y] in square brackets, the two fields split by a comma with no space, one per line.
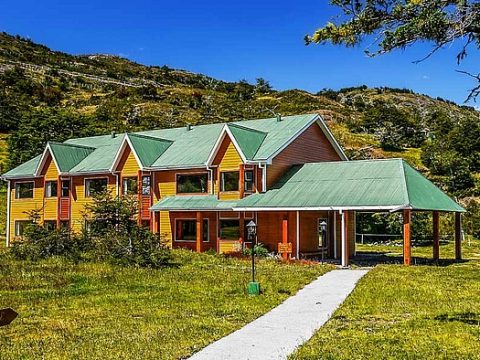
[396,24]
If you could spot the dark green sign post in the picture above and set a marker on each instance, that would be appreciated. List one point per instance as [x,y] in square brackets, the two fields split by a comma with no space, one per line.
[253,286]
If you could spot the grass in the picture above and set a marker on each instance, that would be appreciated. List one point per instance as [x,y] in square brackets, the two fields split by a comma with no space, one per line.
[100,311]
[397,312]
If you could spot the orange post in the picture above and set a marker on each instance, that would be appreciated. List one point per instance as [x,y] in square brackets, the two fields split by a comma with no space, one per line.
[458,236]
[407,249]
[285,237]
[436,236]
[198,243]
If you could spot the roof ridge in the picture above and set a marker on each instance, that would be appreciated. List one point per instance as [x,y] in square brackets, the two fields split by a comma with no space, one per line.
[71,145]
[148,137]
[245,127]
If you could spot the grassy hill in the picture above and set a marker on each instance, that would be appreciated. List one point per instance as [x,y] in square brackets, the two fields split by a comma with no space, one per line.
[50,95]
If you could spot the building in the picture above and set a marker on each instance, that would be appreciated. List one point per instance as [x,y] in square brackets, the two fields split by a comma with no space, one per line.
[198,186]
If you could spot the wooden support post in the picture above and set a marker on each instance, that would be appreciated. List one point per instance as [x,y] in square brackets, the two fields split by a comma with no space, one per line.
[436,236]
[407,248]
[285,236]
[345,257]
[458,236]
[198,243]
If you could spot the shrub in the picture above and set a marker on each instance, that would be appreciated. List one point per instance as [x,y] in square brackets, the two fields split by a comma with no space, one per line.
[260,251]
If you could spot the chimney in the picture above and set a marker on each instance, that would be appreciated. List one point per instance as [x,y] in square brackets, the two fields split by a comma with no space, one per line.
[279,117]
[113,135]
[189,127]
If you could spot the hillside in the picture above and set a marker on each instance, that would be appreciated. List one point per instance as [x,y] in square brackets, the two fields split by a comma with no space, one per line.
[46,94]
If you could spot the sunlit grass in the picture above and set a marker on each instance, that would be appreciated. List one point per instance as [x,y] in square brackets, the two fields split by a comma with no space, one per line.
[100,311]
[416,312]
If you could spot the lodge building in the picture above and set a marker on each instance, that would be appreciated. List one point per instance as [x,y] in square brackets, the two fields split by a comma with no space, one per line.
[198,186]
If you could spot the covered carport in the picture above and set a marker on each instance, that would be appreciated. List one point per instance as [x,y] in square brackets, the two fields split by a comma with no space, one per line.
[344,187]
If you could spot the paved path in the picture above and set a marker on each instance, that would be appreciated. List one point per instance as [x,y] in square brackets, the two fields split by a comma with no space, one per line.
[279,332]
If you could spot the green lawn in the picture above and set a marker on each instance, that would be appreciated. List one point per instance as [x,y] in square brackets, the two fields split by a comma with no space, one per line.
[419,312]
[100,311]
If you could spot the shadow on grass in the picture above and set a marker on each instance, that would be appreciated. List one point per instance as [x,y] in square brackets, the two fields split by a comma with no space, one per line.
[469,318]
[364,258]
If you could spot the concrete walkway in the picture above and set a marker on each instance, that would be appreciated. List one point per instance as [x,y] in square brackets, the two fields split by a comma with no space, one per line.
[279,332]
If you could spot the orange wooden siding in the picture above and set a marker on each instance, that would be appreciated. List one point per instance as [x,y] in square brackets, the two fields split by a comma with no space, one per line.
[311,146]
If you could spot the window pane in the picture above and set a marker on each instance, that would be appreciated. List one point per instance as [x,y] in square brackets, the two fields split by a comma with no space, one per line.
[229,181]
[186,230]
[146,185]
[248,180]
[20,227]
[65,188]
[195,183]
[50,225]
[205,229]
[95,186]
[230,229]
[24,190]
[51,189]
[130,186]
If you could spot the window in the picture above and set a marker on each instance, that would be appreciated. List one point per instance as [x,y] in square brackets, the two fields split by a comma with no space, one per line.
[230,229]
[229,181]
[65,225]
[51,189]
[50,225]
[186,230]
[24,190]
[249,180]
[192,183]
[65,188]
[130,186]
[146,182]
[95,186]
[20,226]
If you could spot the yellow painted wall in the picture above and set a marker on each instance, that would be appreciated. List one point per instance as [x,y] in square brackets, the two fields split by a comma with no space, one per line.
[228,159]
[78,200]
[128,165]
[20,206]
[50,207]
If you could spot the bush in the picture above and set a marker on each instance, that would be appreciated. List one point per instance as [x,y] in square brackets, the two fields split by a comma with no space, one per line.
[260,251]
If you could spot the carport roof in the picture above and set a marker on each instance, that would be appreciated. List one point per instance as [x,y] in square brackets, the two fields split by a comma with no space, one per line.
[390,184]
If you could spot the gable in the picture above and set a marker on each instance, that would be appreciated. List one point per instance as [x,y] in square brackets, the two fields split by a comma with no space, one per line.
[310,146]
[128,164]
[49,169]
[227,158]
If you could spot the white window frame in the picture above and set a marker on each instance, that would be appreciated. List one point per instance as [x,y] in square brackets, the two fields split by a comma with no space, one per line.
[245,180]
[222,181]
[126,188]
[24,182]
[49,182]
[17,227]
[87,188]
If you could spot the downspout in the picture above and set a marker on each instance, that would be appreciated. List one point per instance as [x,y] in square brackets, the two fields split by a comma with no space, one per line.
[264,176]
[344,248]
[210,170]
[335,251]
[117,184]
[298,235]
[8,214]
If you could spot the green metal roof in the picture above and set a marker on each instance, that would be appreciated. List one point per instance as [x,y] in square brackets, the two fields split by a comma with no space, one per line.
[192,202]
[365,184]
[148,148]
[175,148]
[27,169]
[249,140]
[68,155]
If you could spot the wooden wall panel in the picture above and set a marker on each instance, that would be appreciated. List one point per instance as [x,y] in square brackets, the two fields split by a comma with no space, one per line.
[311,146]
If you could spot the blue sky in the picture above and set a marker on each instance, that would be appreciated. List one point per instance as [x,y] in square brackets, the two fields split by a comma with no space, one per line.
[231,40]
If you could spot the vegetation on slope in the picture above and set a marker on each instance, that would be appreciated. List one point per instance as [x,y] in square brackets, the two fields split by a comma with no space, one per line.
[48,95]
